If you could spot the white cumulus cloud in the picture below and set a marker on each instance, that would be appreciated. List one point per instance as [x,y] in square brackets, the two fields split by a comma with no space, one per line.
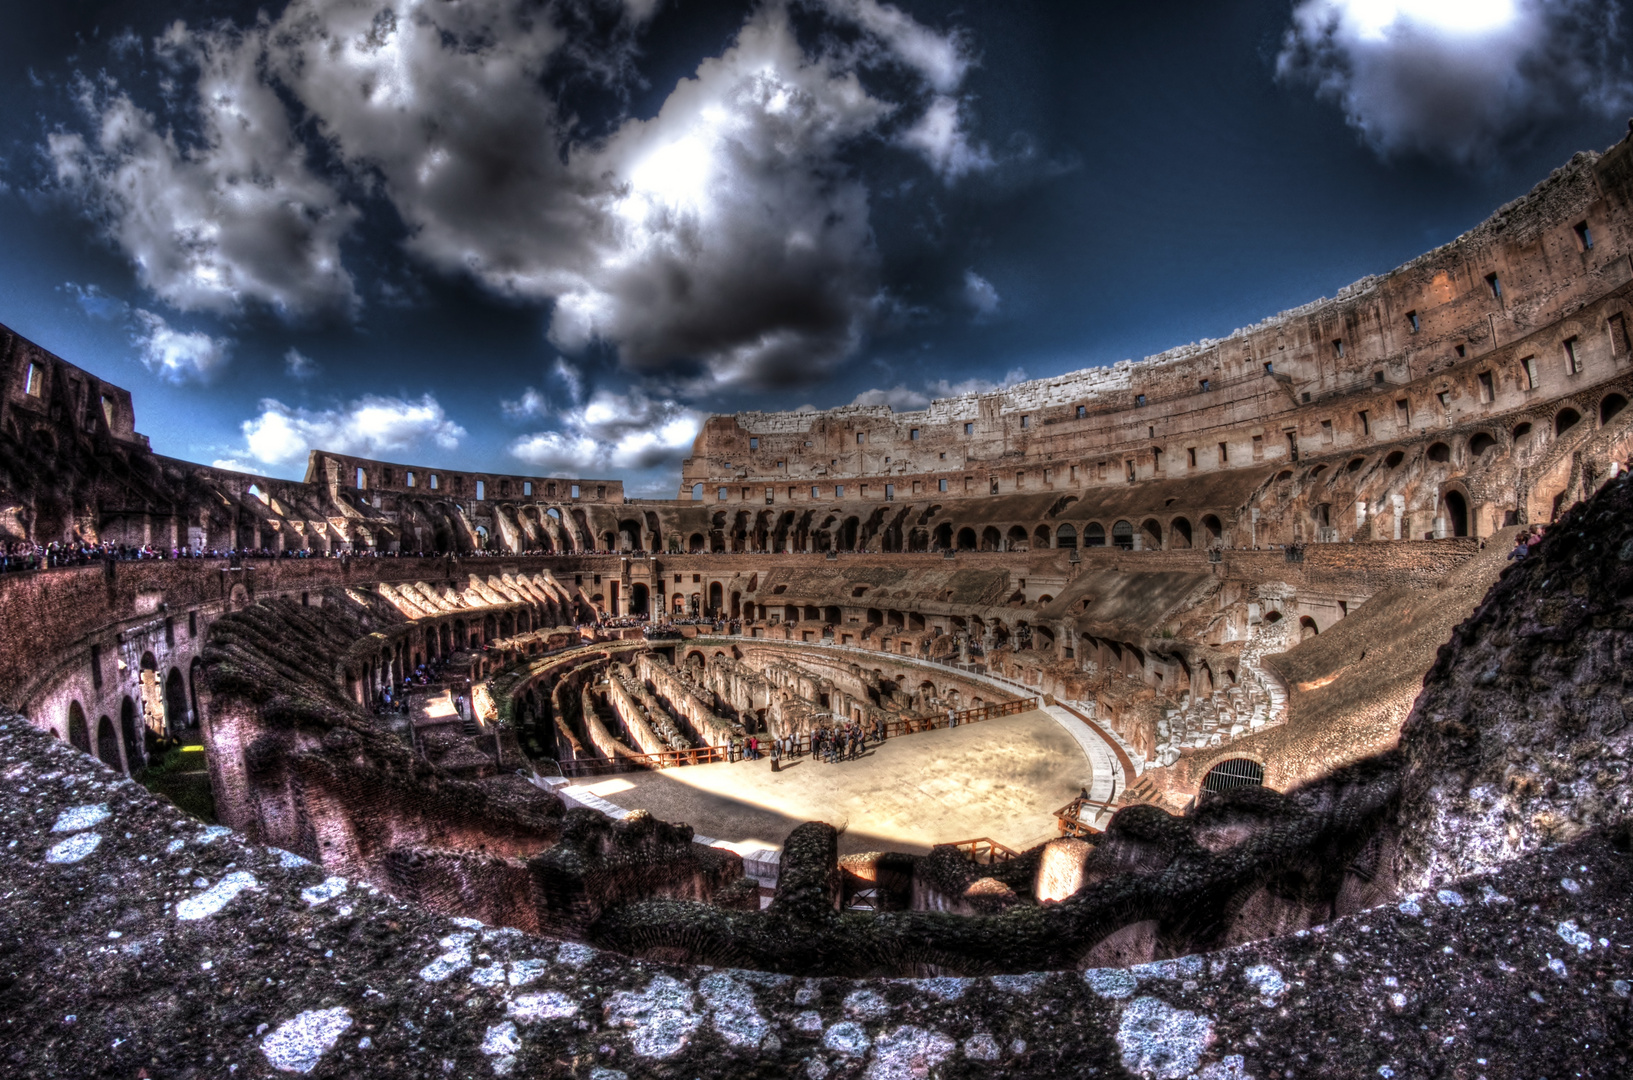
[980,295]
[236,217]
[371,426]
[1458,79]
[898,397]
[943,388]
[297,365]
[944,142]
[176,356]
[613,431]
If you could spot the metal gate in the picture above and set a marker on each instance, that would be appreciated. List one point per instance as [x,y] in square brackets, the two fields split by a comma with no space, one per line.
[1233,774]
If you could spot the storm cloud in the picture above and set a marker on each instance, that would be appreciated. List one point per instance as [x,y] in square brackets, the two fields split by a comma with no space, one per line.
[724,240]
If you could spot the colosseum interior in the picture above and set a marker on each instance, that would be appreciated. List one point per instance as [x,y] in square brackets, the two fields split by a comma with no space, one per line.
[1208,726]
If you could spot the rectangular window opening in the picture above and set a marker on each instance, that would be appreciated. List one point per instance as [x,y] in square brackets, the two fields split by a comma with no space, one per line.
[1366,424]
[34,384]
[481,490]
[1403,411]
[861,437]
[1461,350]
[913,435]
[574,491]
[969,429]
[1224,453]
[1528,372]
[1139,399]
[754,444]
[1412,321]
[1377,378]
[722,495]
[1026,421]
[1190,455]
[697,492]
[1495,284]
[1082,411]
[941,485]
[1338,347]
[1619,343]
[1207,384]
[1488,389]
[1573,362]
[1584,236]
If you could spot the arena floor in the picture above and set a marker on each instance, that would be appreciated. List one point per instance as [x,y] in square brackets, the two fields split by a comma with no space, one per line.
[1001,778]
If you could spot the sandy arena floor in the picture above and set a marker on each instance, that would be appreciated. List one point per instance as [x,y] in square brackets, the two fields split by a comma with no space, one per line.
[1002,779]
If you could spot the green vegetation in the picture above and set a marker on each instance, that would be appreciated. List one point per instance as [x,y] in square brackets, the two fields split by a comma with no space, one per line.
[180,775]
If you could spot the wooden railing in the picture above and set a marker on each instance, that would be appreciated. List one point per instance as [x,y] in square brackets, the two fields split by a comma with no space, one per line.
[1069,818]
[985,851]
[666,759]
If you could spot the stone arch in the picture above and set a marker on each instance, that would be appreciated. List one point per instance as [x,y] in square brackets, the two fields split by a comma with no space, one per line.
[1457,513]
[79,733]
[107,744]
[1307,628]
[1122,535]
[1609,406]
[131,732]
[1213,531]
[716,597]
[1066,537]
[1151,534]
[1179,533]
[1233,773]
[991,539]
[1041,538]
[1094,535]
[1439,452]
[175,701]
[1565,419]
[966,539]
[1481,442]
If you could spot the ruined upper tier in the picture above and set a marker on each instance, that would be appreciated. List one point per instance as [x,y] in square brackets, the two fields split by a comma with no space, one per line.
[1443,340]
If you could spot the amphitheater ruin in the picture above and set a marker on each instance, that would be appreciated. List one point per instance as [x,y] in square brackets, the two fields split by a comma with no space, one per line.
[1187,717]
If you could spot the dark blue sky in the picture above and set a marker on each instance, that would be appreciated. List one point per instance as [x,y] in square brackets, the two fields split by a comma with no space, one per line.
[507,241]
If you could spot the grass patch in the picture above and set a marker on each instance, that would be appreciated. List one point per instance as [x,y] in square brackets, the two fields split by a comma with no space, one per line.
[179,774]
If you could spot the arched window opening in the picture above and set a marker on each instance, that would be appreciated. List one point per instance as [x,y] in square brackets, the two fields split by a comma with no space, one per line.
[1608,408]
[1457,514]
[1567,419]
[1481,442]
[1440,452]
[1122,536]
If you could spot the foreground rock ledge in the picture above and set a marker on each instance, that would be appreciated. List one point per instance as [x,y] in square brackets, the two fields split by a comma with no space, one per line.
[132,938]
